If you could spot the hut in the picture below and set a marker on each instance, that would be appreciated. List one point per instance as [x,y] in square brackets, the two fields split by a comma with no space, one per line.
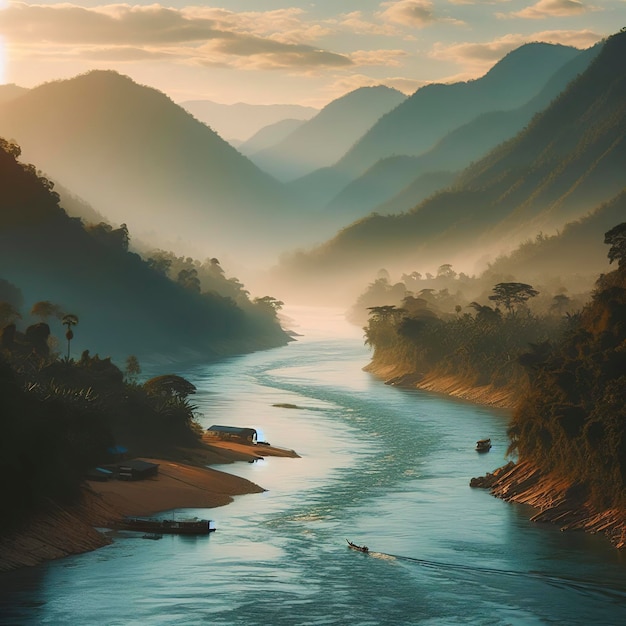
[137,469]
[233,433]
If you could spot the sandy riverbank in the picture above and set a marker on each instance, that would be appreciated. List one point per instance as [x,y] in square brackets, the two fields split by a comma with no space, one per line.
[454,386]
[64,530]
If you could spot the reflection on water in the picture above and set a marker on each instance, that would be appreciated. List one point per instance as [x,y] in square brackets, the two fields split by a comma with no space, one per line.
[380,466]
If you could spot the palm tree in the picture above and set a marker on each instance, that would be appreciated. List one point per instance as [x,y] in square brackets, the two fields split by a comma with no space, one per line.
[69,320]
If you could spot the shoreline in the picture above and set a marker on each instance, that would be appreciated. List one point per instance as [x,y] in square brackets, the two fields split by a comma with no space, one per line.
[448,385]
[62,531]
[555,499]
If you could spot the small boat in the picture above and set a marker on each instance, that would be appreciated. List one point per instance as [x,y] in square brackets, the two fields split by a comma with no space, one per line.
[483,445]
[153,536]
[167,526]
[357,548]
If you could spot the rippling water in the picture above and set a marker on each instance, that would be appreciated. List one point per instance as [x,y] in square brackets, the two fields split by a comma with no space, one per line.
[381,466]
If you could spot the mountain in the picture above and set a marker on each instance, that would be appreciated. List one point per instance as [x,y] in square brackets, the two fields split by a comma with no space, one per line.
[397,183]
[11,91]
[269,136]
[434,110]
[577,248]
[435,125]
[241,121]
[124,306]
[570,159]
[327,136]
[138,158]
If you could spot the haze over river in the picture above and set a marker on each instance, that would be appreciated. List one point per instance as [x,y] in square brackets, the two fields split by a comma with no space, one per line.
[380,466]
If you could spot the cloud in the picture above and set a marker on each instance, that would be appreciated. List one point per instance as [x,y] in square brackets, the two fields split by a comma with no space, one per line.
[414,13]
[354,81]
[477,58]
[387,58]
[275,39]
[553,8]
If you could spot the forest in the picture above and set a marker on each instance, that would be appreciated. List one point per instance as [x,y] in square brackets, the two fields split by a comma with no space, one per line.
[568,369]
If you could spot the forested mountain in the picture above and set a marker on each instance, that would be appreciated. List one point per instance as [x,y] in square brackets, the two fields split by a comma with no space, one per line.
[434,110]
[442,126]
[125,305]
[397,183]
[138,158]
[240,121]
[327,136]
[269,136]
[568,161]
[10,91]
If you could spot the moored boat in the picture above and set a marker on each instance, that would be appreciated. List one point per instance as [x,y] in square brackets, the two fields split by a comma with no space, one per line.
[483,445]
[167,526]
[354,546]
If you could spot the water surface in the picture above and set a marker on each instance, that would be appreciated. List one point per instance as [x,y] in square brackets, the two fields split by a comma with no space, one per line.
[381,466]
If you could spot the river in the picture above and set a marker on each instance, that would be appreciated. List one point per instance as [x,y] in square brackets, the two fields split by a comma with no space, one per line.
[382,466]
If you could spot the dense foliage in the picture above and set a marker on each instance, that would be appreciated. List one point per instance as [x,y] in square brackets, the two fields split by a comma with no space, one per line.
[569,369]
[573,420]
[132,305]
[59,418]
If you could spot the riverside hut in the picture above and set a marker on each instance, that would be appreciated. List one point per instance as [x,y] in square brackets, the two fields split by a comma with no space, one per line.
[233,433]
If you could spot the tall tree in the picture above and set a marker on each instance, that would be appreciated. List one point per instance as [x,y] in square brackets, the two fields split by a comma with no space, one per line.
[511,295]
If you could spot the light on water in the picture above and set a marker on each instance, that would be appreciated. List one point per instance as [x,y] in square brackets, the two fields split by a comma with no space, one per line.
[379,465]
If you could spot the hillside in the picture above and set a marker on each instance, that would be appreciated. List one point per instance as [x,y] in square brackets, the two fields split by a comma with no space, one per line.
[396,184]
[138,158]
[326,137]
[435,110]
[124,307]
[568,161]
[269,136]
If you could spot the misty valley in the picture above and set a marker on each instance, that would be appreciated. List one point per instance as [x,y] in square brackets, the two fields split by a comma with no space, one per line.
[158,278]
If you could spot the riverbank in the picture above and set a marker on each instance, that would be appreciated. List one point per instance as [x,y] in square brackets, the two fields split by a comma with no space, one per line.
[454,386]
[65,530]
[557,500]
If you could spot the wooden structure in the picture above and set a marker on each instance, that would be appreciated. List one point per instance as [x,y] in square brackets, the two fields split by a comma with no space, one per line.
[137,469]
[233,433]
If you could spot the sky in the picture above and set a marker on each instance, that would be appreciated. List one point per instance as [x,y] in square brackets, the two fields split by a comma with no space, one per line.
[284,51]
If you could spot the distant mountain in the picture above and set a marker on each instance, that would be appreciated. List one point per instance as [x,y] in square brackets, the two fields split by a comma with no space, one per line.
[327,136]
[434,110]
[397,183]
[441,126]
[269,136]
[11,91]
[241,121]
[124,306]
[570,159]
[138,158]
[578,248]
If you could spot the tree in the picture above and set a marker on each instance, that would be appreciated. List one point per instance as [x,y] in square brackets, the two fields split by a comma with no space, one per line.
[133,369]
[446,271]
[511,295]
[69,320]
[188,278]
[559,303]
[8,314]
[45,309]
[616,238]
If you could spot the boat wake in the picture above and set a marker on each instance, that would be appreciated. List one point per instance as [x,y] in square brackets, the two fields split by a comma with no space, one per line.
[617,594]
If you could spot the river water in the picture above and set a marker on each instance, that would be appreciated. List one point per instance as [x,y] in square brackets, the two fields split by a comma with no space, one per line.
[380,466]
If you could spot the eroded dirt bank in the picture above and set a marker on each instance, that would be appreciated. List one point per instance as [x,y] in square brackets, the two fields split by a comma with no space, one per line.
[456,387]
[557,500]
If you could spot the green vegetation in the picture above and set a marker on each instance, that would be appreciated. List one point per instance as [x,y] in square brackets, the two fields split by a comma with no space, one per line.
[131,305]
[573,420]
[59,417]
[568,368]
